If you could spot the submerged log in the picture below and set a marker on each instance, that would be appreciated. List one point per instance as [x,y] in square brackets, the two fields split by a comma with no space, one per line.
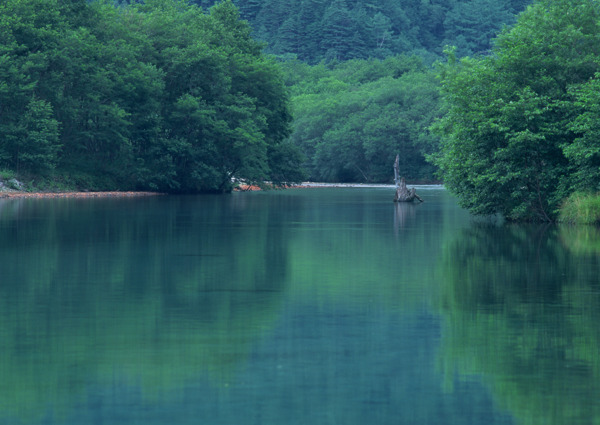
[403,194]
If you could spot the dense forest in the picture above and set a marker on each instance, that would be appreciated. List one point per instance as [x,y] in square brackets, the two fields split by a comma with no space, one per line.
[520,129]
[317,30]
[351,118]
[176,96]
[158,96]
[361,77]
[498,99]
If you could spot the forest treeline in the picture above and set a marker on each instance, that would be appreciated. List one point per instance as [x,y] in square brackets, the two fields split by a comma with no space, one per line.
[178,96]
[352,118]
[362,84]
[340,30]
[159,96]
[513,130]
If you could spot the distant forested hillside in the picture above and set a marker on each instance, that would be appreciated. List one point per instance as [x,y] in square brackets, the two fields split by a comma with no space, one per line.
[352,119]
[361,77]
[166,95]
[316,30]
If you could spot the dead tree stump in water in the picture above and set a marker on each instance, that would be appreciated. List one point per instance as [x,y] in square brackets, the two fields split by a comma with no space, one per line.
[403,194]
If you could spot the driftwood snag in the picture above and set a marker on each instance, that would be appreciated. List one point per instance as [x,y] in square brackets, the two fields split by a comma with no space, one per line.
[403,194]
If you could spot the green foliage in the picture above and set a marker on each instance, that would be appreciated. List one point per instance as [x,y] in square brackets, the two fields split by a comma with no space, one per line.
[167,96]
[581,208]
[351,120]
[584,152]
[341,33]
[522,315]
[512,137]
[156,95]
[6,174]
[34,144]
[471,26]
[339,30]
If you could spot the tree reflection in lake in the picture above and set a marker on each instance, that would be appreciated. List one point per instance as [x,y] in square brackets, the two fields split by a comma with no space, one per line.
[296,307]
[524,312]
[154,292]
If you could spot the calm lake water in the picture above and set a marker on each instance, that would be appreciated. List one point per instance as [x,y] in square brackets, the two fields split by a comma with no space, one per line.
[305,306]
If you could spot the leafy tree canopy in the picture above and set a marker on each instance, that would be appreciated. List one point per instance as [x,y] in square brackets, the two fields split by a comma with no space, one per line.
[518,134]
[351,120]
[316,30]
[154,95]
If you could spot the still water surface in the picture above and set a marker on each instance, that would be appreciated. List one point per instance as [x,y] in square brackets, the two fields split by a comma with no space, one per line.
[306,306]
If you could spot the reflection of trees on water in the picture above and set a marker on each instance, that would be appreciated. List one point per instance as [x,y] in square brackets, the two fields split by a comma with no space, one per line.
[524,313]
[152,291]
[581,239]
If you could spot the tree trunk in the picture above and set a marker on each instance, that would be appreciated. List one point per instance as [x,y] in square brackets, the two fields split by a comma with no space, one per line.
[403,194]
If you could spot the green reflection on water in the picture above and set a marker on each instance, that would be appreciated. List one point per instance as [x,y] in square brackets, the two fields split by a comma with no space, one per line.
[524,313]
[348,244]
[154,291]
[581,239]
[158,292]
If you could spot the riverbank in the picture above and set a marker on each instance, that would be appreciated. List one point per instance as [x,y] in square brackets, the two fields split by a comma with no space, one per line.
[16,194]
[316,185]
[35,195]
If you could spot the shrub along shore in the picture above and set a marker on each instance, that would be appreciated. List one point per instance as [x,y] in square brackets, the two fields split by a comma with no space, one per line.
[581,208]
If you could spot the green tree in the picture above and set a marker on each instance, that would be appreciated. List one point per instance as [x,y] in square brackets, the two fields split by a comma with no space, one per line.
[37,143]
[352,120]
[153,95]
[338,31]
[225,109]
[471,26]
[509,117]
[316,30]
[28,127]
[584,153]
